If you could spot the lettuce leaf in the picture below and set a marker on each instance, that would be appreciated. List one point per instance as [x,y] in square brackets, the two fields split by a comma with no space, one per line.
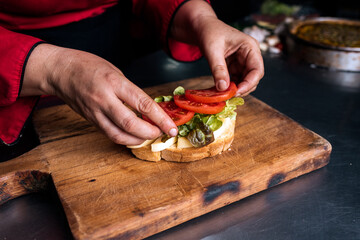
[201,136]
[183,130]
[229,110]
[179,91]
[213,121]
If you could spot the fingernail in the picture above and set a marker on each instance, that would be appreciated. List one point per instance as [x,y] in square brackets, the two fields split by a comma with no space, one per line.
[173,132]
[221,85]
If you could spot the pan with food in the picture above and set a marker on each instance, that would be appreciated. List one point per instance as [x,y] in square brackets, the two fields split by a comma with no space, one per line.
[326,42]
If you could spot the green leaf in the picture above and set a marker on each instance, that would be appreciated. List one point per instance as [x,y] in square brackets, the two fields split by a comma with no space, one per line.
[179,91]
[197,138]
[194,121]
[213,122]
[235,101]
[168,98]
[210,120]
[160,99]
[183,130]
[230,108]
[201,136]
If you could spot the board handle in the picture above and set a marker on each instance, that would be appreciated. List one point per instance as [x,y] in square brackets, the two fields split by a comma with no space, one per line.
[16,184]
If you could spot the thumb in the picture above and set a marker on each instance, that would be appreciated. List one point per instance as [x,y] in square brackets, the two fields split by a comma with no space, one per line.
[219,70]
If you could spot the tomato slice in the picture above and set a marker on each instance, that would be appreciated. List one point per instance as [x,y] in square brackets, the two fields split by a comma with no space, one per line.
[206,108]
[211,95]
[178,115]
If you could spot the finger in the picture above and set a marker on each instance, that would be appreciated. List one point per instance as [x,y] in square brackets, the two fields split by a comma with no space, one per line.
[145,105]
[127,120]
[219,69]
[249,82]
[113,132]
[253,72]
[246,93]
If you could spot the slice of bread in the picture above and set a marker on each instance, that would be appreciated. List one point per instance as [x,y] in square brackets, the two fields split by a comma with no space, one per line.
[175,154]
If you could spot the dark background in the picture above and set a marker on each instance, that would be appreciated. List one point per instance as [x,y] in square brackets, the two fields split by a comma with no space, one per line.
[232,10]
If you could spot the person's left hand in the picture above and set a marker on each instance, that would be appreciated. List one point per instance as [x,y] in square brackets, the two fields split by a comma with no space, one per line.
[230,53]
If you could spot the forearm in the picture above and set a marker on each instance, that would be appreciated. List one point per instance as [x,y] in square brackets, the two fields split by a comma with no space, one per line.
[189,20]
[38,70]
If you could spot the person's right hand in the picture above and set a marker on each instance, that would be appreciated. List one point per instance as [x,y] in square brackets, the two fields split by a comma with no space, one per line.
[97,90]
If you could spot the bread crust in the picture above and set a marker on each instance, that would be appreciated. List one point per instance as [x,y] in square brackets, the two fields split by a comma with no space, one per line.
[174,154]
[145,153]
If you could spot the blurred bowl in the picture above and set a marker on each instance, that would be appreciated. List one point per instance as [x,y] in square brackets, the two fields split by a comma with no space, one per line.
[345,58]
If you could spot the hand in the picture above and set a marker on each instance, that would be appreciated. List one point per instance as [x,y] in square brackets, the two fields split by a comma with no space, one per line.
[229,52]
[231,55]
[98,91]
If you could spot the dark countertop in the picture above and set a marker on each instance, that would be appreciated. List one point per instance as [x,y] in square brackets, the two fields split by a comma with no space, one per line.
[324,204]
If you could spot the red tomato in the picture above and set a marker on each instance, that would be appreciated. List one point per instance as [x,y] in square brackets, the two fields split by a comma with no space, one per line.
[206,108]
[211,95]
[178,115]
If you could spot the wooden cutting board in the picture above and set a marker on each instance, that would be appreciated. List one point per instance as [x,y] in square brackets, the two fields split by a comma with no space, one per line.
[107,193]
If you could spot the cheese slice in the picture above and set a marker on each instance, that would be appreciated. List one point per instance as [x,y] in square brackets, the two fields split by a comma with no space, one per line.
[183,142]
[147,142]
[158,145]
[179,142]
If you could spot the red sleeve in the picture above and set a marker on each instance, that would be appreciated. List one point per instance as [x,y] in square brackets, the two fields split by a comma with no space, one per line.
[160,13]
[14,111]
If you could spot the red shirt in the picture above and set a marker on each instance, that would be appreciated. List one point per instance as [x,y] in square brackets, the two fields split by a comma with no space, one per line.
[36,14]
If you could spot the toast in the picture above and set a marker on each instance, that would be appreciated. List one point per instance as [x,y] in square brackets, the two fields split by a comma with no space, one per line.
[174,154]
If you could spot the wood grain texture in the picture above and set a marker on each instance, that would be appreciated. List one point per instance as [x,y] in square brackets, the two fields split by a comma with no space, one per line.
[107,193]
